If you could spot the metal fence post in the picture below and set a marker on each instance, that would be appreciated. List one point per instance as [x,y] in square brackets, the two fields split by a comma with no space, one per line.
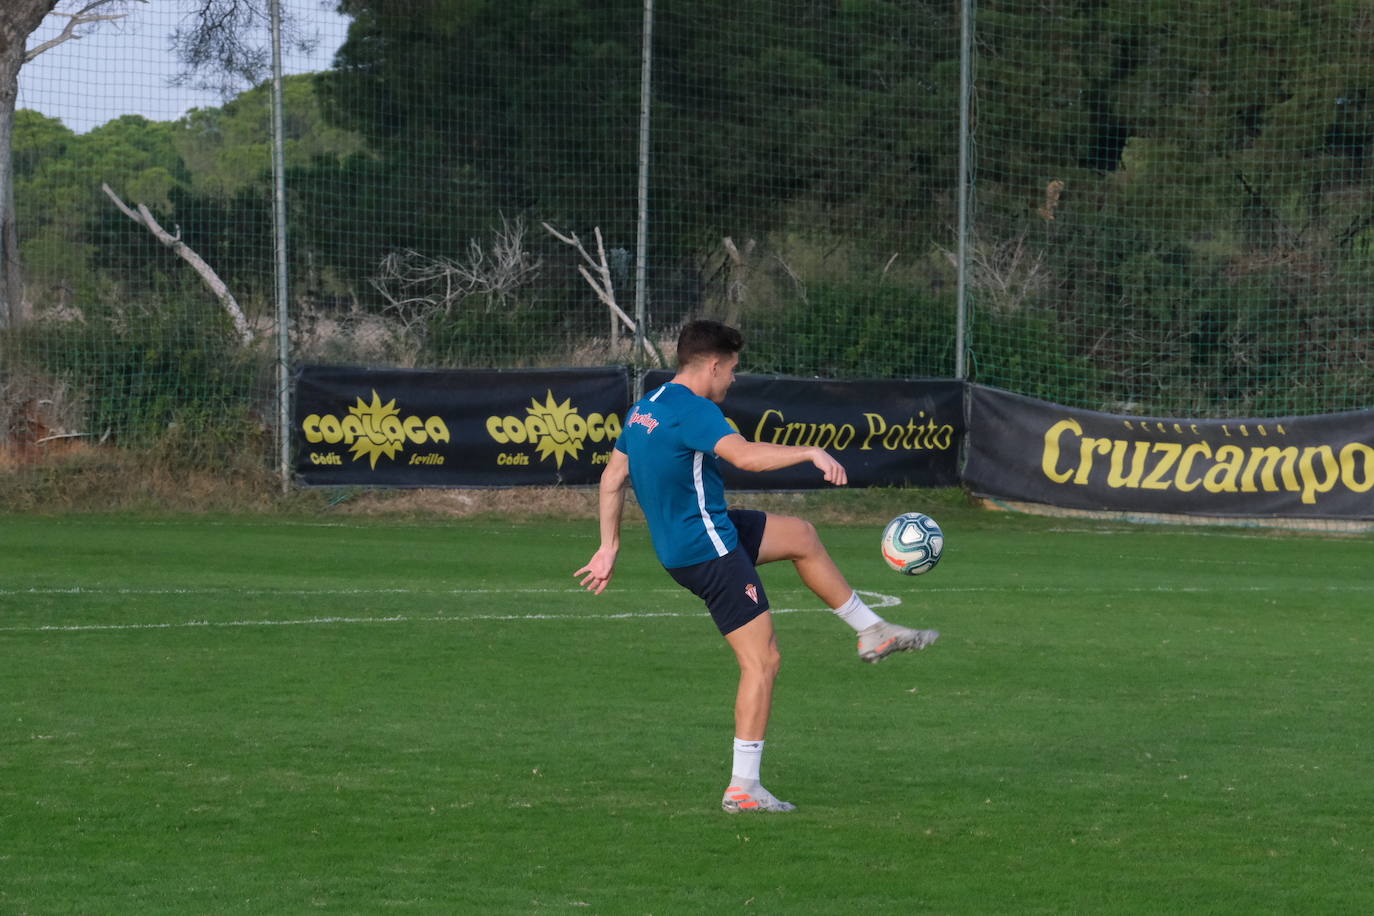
[642,230]
[965,181]
[279,229]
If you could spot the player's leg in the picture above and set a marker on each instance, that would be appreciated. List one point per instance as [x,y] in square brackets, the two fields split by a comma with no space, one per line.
[756,649]
[786,537]
[755,645]
[734,594]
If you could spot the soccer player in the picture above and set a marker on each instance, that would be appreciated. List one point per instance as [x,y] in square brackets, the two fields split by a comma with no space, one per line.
[668,452]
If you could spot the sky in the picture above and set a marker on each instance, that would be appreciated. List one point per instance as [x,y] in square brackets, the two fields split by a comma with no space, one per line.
[124,67]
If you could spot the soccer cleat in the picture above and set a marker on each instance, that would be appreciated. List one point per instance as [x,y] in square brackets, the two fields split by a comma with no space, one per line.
[751,799]
[882,639]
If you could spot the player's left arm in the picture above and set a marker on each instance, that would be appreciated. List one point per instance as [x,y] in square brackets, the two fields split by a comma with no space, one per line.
[615,482]
[770,456]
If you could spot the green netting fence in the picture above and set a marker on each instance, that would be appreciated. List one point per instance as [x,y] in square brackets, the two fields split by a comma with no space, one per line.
[1169,205]
[1174,205]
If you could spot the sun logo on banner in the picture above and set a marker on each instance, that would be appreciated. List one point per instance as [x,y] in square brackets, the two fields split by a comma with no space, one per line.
[563,428]
[380,424]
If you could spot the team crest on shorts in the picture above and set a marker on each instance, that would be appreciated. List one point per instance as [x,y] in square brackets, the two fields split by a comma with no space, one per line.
[752,591]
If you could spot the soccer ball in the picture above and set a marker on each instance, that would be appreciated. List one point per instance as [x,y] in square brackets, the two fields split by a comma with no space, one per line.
[912,543]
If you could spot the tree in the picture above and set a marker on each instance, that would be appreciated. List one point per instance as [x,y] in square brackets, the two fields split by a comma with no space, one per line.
[834,118]
[206,175]
[57,178]
[1193,178]
[228,148]
[17,23]
[223,47]
[144,217]
[219,47]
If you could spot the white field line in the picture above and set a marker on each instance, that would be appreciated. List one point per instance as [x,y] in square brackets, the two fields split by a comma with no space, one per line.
[398,618]
[875,599]
[887,600]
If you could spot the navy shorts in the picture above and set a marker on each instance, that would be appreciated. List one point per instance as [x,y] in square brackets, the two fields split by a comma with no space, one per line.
[730,585]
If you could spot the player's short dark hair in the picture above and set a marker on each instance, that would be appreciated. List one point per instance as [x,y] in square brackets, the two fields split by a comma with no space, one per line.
[704,339]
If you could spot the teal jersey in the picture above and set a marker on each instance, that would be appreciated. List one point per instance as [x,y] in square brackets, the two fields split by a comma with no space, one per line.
[670,438]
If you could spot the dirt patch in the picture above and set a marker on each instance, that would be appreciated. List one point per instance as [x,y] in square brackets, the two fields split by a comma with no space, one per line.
[84,478]
[17,454]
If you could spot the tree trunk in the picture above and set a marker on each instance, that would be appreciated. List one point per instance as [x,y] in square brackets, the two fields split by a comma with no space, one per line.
[144,217]
[18,19]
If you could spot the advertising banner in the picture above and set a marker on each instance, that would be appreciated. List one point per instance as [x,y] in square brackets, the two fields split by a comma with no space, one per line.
[455,428]
[885,433]
[1312,466]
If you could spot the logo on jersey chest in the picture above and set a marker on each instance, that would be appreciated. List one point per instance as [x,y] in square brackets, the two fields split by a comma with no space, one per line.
[646,420]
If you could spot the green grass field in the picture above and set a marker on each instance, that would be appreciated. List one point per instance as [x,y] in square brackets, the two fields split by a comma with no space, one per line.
[267,715]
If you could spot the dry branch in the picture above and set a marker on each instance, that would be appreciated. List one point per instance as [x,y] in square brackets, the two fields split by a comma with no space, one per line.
[84,16]
[417,286]
[601,283]
[1006,273]
[739,276]
[144,217]
[59,436]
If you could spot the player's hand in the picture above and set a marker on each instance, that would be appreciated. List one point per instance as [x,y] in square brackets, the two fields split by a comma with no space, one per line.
[833,471]
[596,575]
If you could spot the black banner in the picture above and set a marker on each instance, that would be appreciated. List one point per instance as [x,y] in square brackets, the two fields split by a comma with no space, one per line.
[457,428]
[1303,467]
[885,433]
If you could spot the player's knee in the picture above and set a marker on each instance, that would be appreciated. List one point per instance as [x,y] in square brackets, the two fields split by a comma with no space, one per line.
[765,663]
[801,536]
[808,539]
[772,663]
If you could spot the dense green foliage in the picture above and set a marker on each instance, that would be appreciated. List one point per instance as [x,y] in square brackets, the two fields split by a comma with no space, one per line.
[1207,249]
[207,175]
[1171,214]
[855,330]
[172,380]
[760,110]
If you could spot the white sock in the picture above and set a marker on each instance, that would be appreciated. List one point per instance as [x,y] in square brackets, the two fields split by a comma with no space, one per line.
[748,756]
[857,614]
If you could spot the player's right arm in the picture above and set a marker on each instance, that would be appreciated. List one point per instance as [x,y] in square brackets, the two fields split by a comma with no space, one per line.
[615,482]
[770,456]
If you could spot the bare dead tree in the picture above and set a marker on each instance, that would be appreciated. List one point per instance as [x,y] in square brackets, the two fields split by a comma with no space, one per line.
[601,282]
[797,283]
[1007,272]
[417,286]
[144,217]
[738,275]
